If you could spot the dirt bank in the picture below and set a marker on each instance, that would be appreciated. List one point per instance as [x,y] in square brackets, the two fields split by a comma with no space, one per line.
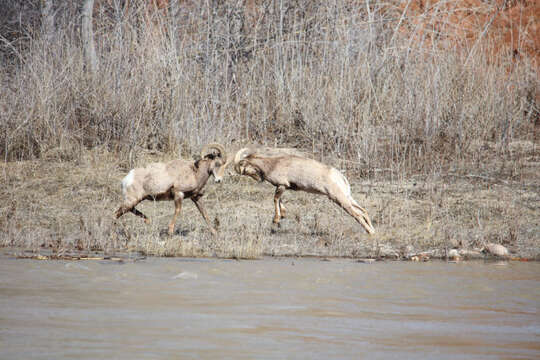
[68,206]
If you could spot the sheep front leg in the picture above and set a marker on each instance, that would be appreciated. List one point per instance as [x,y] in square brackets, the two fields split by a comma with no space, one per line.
[277,204]
[282,210]
[178,197]
[202,210]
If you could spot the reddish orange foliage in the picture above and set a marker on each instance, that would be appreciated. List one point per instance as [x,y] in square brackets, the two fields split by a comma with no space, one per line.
[502,25]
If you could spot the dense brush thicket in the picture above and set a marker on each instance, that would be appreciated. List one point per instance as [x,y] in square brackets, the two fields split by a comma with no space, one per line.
[339,78]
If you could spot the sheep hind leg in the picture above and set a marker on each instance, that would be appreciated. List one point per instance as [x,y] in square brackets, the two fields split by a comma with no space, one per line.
[358,213]
[140,214]
[361,212]
[121,211]
[126,208]
[177,209]
[363,219]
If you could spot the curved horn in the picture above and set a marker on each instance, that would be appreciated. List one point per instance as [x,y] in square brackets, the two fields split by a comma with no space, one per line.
[214,146]
[242,154]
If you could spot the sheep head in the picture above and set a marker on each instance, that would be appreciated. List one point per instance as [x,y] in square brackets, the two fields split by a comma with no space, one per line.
[244,167]
[261,152]
[239,158]
[218,159]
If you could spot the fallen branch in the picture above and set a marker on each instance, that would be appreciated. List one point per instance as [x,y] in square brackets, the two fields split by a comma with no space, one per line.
[68,257]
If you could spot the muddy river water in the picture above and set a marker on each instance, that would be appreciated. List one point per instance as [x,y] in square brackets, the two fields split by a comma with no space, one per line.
[164,308]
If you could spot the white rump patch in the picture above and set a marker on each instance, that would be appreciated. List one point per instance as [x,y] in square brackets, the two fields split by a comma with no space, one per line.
[127,181]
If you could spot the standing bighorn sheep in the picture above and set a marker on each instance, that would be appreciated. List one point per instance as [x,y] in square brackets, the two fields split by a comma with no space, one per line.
[288,169]
[175,180]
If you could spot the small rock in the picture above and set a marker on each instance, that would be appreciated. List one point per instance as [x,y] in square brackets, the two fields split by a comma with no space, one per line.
[453,254]
[420,257]
[496,250]
[366,261]
[471,254]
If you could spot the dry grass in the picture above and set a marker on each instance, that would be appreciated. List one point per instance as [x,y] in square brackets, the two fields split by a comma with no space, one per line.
[340,81]
[67,206]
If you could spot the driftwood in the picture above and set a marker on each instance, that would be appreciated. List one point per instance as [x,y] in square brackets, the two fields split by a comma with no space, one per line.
[68,257]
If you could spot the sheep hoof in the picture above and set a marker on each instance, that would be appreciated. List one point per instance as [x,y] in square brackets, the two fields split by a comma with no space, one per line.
[275,226]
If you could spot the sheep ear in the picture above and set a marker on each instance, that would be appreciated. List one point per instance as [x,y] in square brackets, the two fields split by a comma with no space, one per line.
[197,163]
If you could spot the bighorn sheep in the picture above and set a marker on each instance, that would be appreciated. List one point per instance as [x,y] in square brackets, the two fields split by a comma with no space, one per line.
[288,169]
[175,180]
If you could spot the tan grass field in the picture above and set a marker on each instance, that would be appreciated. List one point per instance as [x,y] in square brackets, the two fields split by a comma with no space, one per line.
[66,207]
[435,124]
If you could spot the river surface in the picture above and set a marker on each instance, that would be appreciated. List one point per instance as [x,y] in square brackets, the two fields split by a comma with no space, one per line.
[165,308]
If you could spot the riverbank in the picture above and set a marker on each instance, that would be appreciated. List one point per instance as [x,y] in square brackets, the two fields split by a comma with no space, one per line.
[67,207]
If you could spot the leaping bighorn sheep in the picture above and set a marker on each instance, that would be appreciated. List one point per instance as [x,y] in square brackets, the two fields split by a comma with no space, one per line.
[175,180]
[288,169]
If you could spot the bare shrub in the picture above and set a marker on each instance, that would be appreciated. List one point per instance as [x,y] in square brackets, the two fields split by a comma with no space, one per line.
[330,78]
